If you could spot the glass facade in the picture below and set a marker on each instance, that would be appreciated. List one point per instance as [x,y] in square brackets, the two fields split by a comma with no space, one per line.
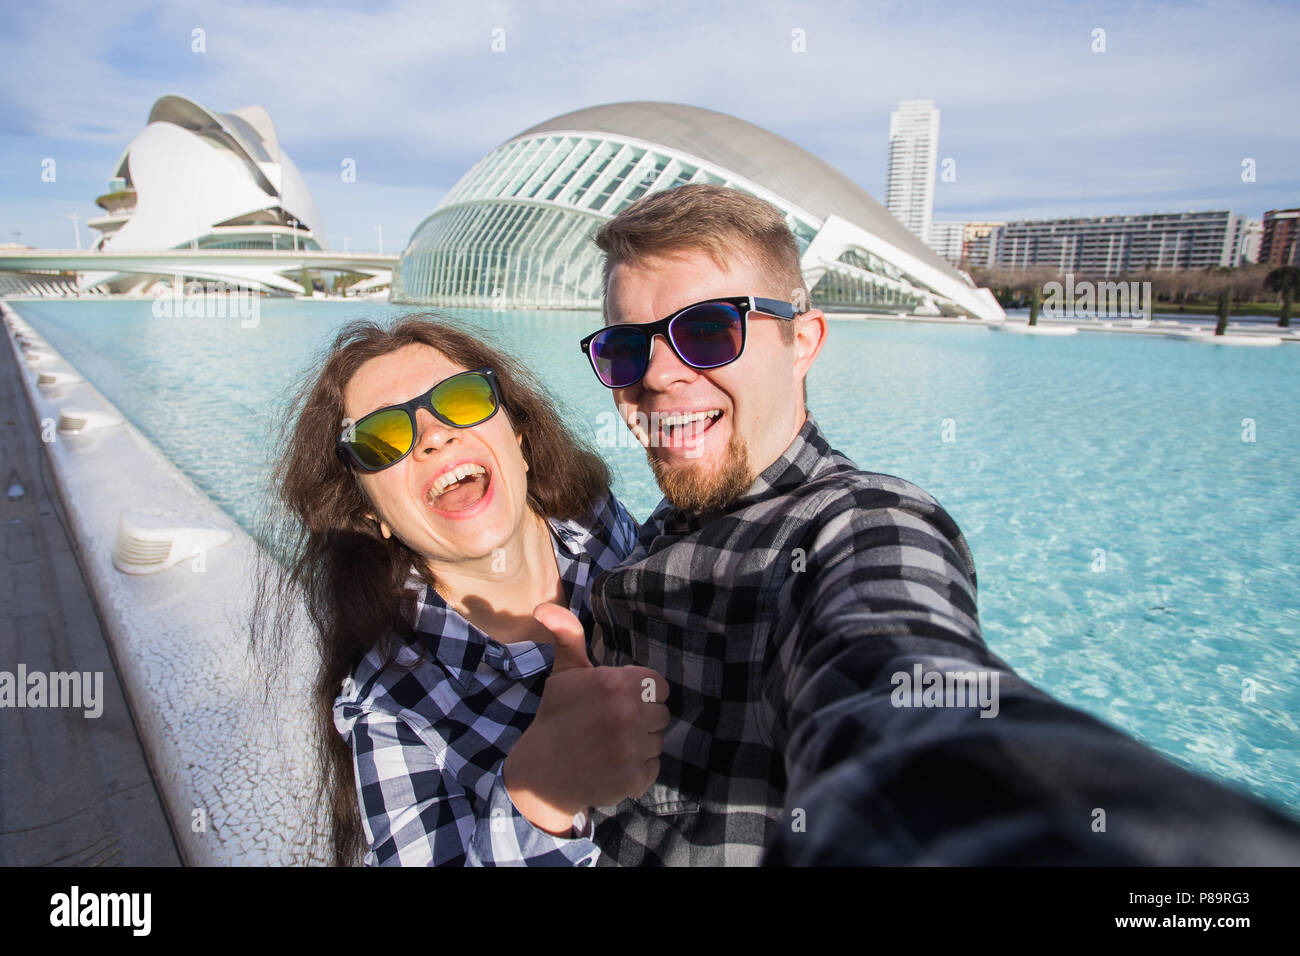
[502,255]
[863,281]
[516,231]
[281,242]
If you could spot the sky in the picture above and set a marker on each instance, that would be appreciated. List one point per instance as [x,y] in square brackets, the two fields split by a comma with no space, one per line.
[1040,113]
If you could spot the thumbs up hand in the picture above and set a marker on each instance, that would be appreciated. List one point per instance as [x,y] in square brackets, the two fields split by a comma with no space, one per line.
[570,641]
[596,737]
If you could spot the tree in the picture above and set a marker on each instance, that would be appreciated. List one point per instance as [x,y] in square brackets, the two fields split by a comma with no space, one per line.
[1285,280]
[1248,283]
[1225,310]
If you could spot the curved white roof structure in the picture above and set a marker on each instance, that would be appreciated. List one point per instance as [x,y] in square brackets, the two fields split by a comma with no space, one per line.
[516,230]
[197,179]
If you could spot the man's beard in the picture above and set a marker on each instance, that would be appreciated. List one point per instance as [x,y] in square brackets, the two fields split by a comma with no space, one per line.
[695,489]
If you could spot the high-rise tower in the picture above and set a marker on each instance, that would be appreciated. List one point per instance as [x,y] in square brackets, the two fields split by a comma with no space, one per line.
[913,154]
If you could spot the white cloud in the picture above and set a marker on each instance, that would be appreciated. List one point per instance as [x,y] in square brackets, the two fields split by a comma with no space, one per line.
[415,93]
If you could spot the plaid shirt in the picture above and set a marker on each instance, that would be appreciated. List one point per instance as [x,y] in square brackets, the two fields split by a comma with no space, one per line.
[720,605]
[786,628]
[430,731]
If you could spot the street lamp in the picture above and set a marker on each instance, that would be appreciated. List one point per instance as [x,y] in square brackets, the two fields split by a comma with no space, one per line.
[293,224]
[381,239]
[75,231]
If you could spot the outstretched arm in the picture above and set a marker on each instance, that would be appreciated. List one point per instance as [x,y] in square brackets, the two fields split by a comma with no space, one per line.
[889,765]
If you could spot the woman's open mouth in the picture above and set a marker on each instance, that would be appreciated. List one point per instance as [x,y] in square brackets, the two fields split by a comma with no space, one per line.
[461,491]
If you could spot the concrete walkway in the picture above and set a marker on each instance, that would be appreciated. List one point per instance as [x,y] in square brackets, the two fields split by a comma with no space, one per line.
[74,791]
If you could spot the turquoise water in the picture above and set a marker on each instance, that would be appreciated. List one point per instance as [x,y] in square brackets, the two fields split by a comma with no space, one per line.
[1136,557]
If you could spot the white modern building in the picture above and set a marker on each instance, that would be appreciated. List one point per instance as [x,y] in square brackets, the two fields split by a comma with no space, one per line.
[946,240]
[979,244]
[913,156]
[516,230]
[199,180]
[1252,237]
[1111,245]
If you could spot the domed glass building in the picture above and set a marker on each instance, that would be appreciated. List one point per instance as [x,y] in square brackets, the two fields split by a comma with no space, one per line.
[516,230]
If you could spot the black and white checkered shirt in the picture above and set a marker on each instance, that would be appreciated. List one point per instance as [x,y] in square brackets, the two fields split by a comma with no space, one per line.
[797,631]
[717,604]
[431,731]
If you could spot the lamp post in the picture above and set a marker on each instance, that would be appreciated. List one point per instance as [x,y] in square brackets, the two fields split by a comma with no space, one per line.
[293,224]
[75,231]
[381,239]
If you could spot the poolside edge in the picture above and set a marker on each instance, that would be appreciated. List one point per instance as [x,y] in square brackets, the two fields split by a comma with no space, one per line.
[236,776]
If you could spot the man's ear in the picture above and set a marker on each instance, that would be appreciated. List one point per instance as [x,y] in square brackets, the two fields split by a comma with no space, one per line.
[809,337]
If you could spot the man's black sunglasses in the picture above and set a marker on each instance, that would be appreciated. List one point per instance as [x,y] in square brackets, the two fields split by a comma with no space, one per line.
[705,335]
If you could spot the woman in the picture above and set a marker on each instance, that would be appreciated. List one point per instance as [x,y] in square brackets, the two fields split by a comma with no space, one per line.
[436,499]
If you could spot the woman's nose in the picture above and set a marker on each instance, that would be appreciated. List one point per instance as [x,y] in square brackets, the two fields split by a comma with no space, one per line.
[431,434]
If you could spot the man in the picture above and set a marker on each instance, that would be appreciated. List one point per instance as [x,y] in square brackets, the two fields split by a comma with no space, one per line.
[804,611]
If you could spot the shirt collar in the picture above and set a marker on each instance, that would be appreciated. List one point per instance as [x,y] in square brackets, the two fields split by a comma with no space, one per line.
[573,535]
[802,458]
[460,647]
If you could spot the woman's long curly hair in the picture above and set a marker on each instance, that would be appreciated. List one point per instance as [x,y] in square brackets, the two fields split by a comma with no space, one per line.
[324,554]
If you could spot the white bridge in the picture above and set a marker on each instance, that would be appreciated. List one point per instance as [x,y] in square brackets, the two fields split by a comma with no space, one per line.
[263,269]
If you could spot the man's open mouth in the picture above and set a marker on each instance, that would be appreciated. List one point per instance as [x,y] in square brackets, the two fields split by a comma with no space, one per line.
[681,428]
[460,488]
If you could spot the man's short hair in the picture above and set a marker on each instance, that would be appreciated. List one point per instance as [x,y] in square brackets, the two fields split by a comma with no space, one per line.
[724,223]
